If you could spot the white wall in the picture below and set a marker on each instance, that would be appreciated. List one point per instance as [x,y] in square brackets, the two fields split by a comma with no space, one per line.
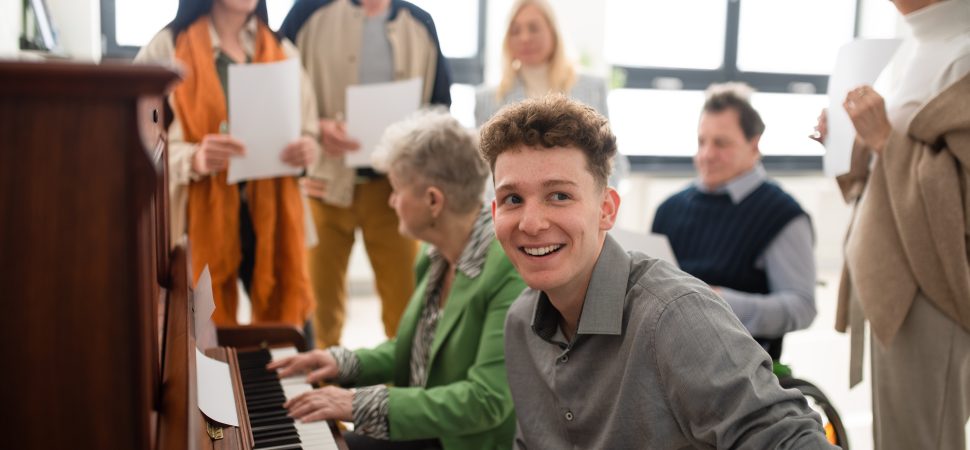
[79,27]
[77,24]
[10,11]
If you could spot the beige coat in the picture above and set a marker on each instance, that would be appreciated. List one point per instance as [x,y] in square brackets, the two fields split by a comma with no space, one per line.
[161,50]
[329,43]
[911,233]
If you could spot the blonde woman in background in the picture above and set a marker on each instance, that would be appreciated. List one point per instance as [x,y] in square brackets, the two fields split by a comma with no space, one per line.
[534,64]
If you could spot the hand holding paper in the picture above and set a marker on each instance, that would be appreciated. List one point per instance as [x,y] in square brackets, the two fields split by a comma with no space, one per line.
[867,110]
[333,136]
[858,63]
[214,152]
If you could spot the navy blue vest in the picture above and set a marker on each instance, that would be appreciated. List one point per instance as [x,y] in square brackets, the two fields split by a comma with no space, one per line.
[718,241]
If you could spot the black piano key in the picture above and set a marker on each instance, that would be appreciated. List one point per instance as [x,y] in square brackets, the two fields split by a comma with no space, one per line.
[282,440]
[268,413]
[263,388]
[277,432]
[264,438]
[283,447]
[276,426]
[265,396]
[270,418]
[263,408]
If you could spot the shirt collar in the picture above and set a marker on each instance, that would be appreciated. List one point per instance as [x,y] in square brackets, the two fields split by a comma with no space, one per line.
[939,21]
[392,9]
[247,37]
[472,258]
[739,187]
[604,302]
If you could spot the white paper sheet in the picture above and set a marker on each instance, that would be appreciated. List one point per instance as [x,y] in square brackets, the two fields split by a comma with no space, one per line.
[652,244]
[214,386]
[859,62]
[371,108]
[264,113]
[205,329]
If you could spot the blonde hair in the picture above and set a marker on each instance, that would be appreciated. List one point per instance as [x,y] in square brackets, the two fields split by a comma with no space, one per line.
[562,75]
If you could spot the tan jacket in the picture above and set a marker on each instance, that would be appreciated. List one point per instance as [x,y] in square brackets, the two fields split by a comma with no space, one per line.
[161,50]
[911,233]
[329,42]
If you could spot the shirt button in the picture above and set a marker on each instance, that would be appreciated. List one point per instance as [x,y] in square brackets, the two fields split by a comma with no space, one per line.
[569,416]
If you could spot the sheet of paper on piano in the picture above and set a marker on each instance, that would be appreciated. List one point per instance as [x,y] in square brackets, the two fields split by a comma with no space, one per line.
[205,330]
[652,244]
[214,384]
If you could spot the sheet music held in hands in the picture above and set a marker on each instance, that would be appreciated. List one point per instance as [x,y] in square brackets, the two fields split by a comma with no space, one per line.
[859,62]
[264,113]
[371,108]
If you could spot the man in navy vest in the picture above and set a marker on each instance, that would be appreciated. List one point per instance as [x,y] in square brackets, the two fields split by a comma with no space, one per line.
[738,231]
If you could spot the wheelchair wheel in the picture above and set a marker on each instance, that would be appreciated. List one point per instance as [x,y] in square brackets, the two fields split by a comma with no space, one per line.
[831,421]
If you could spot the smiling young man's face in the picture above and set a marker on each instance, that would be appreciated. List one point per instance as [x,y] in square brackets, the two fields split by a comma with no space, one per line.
[551,217]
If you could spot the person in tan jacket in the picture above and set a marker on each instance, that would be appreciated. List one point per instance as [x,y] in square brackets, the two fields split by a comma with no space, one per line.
[344,43]
[906,253]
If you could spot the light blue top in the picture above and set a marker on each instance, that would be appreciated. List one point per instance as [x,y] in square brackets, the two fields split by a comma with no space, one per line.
[588,89]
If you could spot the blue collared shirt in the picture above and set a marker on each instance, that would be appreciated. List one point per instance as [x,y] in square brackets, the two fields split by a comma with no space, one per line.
[789,262]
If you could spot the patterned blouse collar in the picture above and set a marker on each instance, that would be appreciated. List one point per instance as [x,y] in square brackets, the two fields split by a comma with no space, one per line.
[472,258]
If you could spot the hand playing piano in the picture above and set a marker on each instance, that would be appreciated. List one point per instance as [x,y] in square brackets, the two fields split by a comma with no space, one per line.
[326,403]
[320,365]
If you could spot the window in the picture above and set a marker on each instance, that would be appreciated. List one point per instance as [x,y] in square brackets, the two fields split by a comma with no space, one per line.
[129,24]
[666,53]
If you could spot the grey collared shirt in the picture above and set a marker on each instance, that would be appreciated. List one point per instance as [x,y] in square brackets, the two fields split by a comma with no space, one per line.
[789,263]
[658,362]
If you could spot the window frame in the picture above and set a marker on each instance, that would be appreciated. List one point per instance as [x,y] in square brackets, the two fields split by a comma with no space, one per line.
[640,77]
[470,70]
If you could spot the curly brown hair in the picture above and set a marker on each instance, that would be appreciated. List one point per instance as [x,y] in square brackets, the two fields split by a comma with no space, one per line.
[548,122]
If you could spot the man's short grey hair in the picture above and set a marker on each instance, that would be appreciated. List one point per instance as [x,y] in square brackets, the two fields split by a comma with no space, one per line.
[431,148]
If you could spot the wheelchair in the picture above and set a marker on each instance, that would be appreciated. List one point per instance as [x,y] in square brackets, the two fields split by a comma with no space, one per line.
[831,421]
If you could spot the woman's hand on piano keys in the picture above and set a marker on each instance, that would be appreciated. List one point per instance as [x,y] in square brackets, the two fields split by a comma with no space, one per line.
[319,365]
[326,403]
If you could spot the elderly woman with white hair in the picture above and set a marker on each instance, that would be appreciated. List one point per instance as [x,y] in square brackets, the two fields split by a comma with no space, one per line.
[446,367]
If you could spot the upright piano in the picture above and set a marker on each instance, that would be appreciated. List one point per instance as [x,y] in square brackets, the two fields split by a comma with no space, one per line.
[96,304]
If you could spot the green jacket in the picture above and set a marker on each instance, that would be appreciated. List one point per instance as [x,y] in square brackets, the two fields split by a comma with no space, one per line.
[467,403]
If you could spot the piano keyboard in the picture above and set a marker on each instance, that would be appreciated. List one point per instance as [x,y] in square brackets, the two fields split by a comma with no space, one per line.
[265,394]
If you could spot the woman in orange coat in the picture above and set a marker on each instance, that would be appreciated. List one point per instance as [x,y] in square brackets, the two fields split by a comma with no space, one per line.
[253,231]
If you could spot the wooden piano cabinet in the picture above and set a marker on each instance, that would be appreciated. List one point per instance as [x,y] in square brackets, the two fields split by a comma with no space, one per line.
[81,168]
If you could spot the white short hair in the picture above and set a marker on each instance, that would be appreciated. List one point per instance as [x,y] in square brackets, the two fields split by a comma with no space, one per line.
[432,147]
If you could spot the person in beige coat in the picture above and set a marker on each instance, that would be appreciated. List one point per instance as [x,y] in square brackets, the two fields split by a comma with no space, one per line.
[906,253]
[344,43]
